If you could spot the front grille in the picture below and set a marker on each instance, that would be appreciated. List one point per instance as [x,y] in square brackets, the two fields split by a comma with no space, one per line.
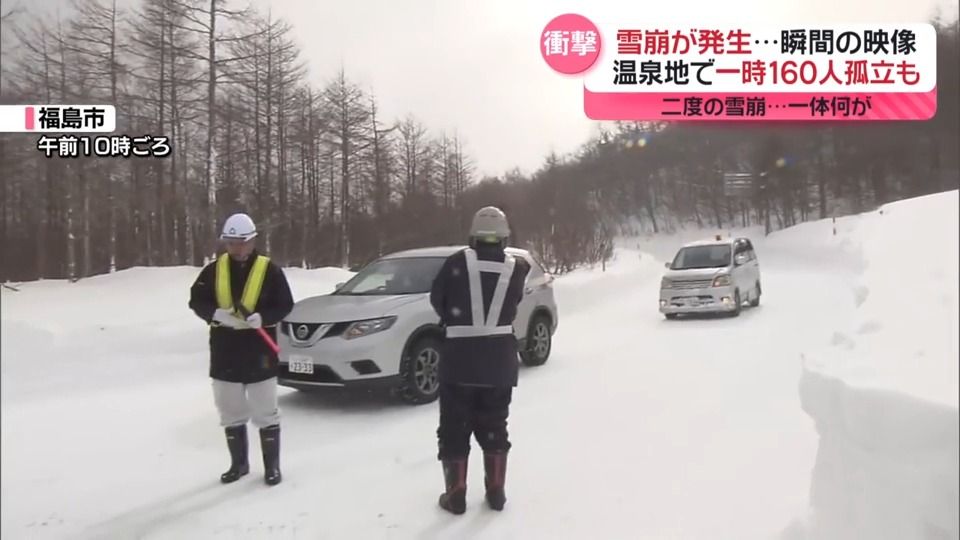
[698,284]
[321,374]
[292,328]
[681,301]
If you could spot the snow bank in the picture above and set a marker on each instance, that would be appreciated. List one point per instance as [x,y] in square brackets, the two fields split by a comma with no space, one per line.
[831,245]
[106,323]
[155,295]
[884,390]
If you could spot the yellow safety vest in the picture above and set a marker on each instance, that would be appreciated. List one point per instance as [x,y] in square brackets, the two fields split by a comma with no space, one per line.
[251,290]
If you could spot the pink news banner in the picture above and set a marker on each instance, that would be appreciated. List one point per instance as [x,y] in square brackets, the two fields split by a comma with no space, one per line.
[839,72]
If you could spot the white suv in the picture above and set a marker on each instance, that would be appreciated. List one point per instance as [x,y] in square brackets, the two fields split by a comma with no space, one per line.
[716,275]
[379,329]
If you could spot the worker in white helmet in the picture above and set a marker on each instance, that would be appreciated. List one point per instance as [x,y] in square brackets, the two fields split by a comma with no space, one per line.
[476,294]
[237,294]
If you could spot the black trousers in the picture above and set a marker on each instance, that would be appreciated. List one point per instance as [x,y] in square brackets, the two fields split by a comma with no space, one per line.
[472,410]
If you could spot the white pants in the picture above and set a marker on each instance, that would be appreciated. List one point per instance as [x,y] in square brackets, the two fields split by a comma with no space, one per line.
[239,403]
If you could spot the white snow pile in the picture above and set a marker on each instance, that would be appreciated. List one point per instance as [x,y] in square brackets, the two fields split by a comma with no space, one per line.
[884,390]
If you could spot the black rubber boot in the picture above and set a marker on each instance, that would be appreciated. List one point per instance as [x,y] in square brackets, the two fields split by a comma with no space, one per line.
[495,470]
[237,443]
[270,445]
[454,499]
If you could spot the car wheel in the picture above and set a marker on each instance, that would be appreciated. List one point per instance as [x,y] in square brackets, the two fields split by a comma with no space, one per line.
[538,343]
[755,300]
[670,316]
[420,372]
[737,302]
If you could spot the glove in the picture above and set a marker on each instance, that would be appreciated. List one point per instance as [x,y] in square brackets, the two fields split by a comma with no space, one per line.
[226,318]
[254,320]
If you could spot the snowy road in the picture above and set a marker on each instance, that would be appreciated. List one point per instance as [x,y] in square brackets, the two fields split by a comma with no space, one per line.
[637,427]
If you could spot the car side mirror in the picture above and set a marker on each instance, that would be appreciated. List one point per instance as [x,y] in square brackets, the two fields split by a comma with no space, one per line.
[740,259]
[666,265]
[339,285]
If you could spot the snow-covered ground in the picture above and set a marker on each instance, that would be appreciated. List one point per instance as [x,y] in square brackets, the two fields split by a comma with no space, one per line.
[636,428]
[884,390]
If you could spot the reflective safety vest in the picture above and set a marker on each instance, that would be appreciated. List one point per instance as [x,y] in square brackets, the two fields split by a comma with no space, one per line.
[485,326]
[251,290]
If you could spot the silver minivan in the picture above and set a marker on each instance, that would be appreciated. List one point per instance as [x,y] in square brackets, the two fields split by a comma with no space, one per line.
[711,276]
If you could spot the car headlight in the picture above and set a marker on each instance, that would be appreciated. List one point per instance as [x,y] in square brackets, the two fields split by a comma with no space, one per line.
[665,283]
[371,326]
[721,281]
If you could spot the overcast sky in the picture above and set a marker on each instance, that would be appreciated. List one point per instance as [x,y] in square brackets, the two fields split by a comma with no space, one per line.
[474,65]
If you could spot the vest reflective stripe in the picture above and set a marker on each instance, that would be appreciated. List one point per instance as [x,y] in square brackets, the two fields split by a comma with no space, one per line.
[489,266]
[472,331]
[500,293]
[252,288]
[485,326]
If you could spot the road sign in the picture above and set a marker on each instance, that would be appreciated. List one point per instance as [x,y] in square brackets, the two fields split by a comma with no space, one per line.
[738,184]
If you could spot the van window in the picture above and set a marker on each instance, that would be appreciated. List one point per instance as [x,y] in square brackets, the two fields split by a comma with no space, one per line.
[689,258]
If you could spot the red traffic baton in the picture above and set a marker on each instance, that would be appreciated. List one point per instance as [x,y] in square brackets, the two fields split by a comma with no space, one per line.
[263,333]
[270,343]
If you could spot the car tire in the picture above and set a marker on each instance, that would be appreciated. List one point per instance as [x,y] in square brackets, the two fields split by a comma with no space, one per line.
[670,316]
[755,300]
[539,342]
[738,304]
[420,372]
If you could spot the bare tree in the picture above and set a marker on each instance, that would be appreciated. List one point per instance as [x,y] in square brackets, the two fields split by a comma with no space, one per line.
[348,132]
[7,18]
[382,173]
[412,152]
[93,46]
[205,19]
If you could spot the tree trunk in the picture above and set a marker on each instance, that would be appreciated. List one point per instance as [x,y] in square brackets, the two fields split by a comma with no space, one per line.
[111,200]
[161,201]
[345,202]
[85,194]
[210,162]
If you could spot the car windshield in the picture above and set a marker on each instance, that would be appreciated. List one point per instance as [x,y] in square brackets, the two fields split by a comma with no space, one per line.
[385,277]
[693,257]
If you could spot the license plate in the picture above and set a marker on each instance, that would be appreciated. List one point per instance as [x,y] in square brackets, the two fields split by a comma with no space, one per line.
[301,364]
[693,302]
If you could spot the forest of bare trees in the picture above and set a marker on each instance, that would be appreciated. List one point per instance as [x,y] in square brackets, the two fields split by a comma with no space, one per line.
[328,178]
[331,181]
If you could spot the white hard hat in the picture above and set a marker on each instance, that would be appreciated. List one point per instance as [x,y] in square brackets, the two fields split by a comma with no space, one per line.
[239,227]
[490,222]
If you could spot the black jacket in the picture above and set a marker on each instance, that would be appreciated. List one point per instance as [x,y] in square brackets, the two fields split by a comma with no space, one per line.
[241,355]
[478,360]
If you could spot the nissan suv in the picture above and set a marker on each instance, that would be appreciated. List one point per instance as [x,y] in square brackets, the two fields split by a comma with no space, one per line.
[379,330]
